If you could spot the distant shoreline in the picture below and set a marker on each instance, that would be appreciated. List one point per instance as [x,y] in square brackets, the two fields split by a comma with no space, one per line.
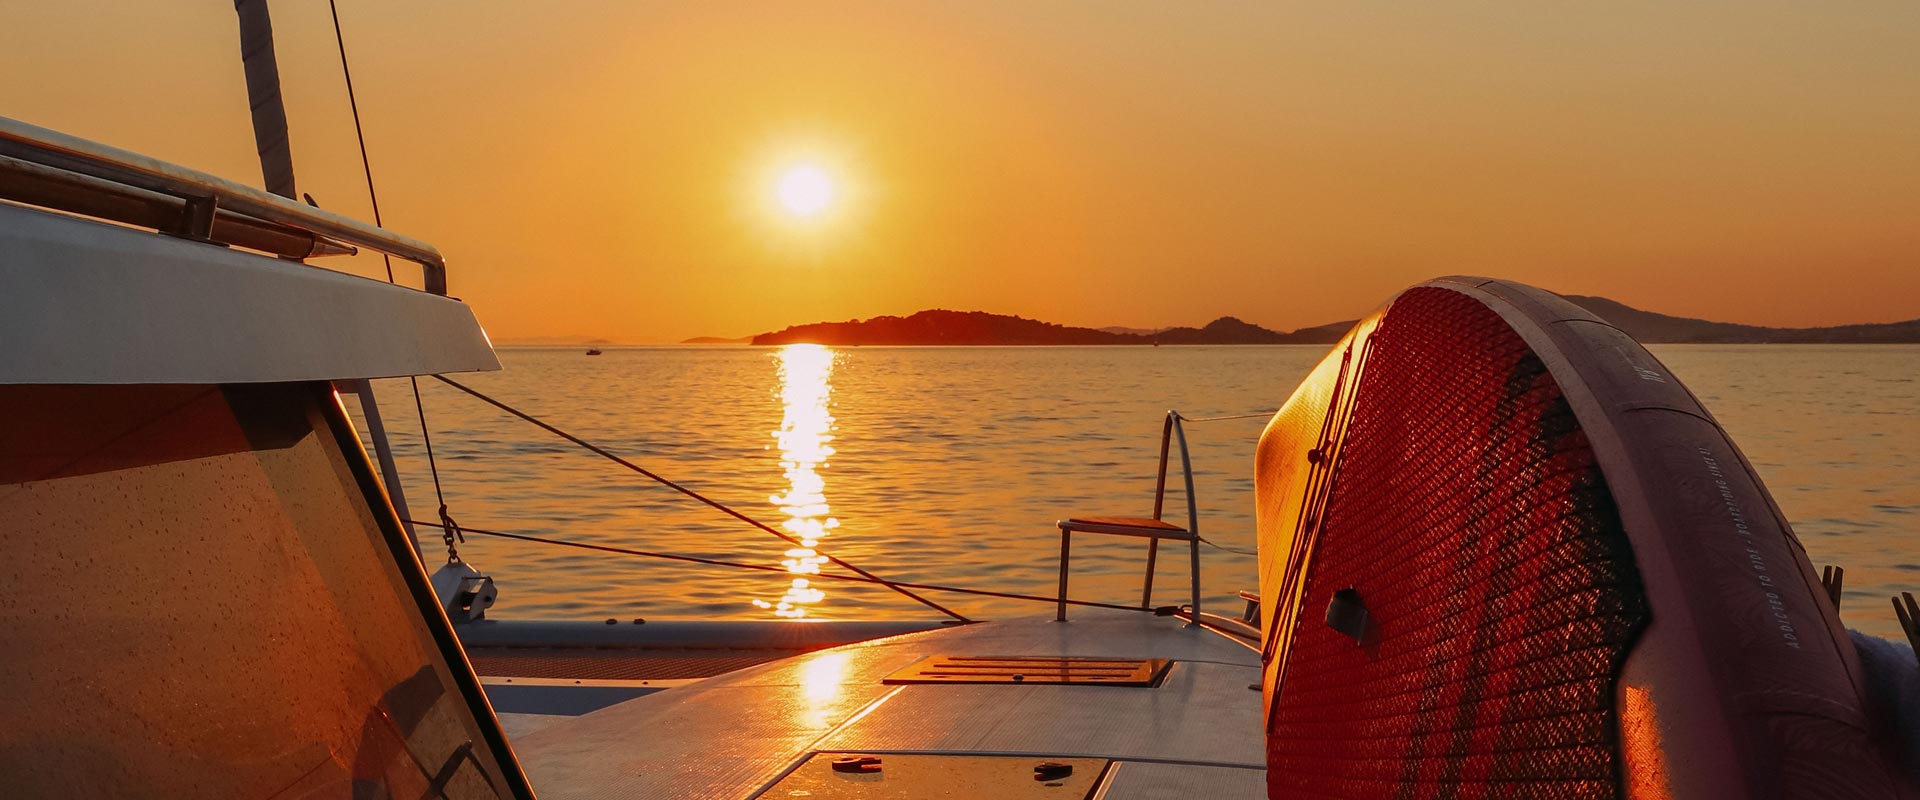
[944,328]
[941,327]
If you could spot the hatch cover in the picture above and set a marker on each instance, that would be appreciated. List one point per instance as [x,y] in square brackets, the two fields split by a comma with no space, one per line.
[1052,670]
[894,776]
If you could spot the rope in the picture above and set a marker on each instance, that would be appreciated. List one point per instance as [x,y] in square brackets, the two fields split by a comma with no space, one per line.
[1257,414]
[894,585]
[354,104]
[722,507]
[1221,547]
[449,530]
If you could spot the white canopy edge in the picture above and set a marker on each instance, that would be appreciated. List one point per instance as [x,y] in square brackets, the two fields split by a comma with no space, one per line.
[84,302]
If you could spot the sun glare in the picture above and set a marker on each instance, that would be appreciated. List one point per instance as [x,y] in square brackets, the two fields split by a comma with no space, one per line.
[804,191]
[805,198]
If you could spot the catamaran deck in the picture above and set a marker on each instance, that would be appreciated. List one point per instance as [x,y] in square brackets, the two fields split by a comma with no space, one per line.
[1195,734]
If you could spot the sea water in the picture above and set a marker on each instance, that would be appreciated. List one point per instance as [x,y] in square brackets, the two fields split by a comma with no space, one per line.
[950,466]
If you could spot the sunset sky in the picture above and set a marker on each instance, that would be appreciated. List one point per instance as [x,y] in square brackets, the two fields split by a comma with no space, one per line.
[614,169]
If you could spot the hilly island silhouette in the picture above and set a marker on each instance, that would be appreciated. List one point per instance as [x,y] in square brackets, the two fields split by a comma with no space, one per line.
[961,328]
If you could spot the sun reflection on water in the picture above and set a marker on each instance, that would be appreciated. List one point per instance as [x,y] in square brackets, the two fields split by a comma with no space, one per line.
[805,439]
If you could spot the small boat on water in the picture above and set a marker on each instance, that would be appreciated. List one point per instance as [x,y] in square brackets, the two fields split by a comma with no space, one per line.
[1503,553]
[593,351]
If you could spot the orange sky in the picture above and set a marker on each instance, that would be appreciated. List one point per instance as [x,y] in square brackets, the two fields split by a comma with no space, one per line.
[603,168]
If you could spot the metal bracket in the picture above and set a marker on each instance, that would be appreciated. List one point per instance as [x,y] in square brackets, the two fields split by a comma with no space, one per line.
[464,593]
[196,219]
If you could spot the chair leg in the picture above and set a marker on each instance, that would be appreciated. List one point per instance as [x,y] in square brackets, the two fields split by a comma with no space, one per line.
[1060,615]
[1146,592]
[1193,563]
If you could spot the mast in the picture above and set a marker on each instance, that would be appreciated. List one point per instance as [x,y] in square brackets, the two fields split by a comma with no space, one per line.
[263,96]
[270,138]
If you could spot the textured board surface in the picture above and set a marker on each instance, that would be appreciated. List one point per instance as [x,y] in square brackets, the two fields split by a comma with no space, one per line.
[1467,510]
[1145,780]
[735,734]
[1559,578]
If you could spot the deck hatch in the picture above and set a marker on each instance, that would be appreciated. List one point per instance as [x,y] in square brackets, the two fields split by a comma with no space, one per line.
[1024,670]
[901,776]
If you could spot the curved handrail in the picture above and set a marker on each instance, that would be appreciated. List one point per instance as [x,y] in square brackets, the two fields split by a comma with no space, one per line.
[205,194]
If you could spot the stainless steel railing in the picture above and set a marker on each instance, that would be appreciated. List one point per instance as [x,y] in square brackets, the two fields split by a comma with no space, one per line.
[1172,431]
[53,170]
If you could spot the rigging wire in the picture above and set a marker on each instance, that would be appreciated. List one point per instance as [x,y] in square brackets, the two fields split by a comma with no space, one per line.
[894,585]
[1223,548]
[452,531]
[722,507]
[449,530]
[353,104]
[1255,415]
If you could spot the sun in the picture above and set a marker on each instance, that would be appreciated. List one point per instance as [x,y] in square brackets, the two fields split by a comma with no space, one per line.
[804,191]
[804,196]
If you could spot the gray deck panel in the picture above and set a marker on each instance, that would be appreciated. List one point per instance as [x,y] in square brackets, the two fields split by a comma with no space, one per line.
[718,742]
[730,735]
[1138,780]
[1203,712]
[519,725]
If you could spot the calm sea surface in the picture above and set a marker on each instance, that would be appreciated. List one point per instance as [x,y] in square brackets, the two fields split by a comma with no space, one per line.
[950,465]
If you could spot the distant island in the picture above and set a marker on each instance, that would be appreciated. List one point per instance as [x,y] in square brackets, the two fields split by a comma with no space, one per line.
[944,327]
[1653,328]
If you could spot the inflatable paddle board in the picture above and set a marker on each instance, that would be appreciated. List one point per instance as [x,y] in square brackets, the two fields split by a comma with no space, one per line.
[1507,554]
